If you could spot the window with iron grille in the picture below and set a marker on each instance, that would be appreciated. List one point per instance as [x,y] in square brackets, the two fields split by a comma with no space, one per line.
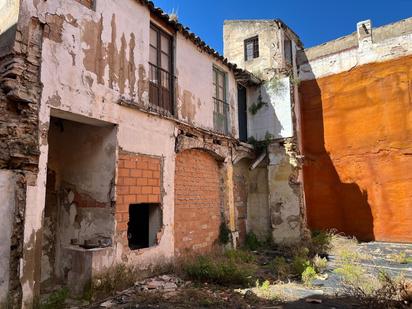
[252,48]
[161,69]
[221,108]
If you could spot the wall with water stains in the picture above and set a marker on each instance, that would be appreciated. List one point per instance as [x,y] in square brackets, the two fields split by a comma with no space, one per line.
[95,71]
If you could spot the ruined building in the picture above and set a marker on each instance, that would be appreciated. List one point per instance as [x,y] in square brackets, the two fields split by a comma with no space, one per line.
[124,138]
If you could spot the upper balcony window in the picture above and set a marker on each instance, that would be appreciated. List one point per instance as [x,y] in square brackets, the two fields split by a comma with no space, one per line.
[221,108]
[161,69]
[252,48]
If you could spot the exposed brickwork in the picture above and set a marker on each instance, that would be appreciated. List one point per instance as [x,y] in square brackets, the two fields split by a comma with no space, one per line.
[138,181]
[197,202]
[20,91]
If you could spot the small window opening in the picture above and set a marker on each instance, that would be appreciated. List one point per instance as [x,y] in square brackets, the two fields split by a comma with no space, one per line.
[145,222]
[252,48]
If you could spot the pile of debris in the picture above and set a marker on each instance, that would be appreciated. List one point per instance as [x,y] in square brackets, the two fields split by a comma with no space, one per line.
[165,284]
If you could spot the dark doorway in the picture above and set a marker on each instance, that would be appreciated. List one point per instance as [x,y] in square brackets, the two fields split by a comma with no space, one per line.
[242,112]
[145,222]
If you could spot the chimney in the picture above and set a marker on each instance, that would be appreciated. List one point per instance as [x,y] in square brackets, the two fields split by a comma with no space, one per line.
[364,29]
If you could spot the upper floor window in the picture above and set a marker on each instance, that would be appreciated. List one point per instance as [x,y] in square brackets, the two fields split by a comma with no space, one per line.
[161,69]
[221,108]
[252,48]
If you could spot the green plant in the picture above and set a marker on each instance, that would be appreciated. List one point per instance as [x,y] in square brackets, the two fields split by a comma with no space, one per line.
[321,242]
[401,258]
[256,106]
[281,268]
[380,291]
[308,275]
[55,300]
[112,280]
[299,264]
[351,274]
[219,270]
[264,291]
[224,233]
[252,242]
[261,146]
[241,256]
[320,263]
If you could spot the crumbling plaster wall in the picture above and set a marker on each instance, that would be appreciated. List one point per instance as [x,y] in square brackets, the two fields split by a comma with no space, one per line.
[91,59]
[194,96]
[7,196]
[270,44]
[82,164]
[273,117]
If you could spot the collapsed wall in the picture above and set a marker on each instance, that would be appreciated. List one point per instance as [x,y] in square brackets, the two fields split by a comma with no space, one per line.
[273,126]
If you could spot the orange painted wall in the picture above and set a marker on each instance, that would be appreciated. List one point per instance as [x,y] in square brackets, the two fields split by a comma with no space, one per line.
[357,142]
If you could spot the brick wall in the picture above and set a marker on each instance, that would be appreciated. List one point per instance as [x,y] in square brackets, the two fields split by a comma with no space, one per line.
[138,181]
[197,202]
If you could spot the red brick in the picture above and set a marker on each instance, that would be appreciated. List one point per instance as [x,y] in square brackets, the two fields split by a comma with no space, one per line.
[122,190]
[197,201]
[142,198]
[156,190]
[129,181]
[130,164]
[141,165]
[156,174]
[153,182]
[122,207]
[135,190]
[136,173]
[147,190]
[129,199]
[148,174]
[123,172]
[141,181]
[153,198]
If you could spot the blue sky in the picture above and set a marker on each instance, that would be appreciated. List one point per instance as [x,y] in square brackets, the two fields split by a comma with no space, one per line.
[315,21]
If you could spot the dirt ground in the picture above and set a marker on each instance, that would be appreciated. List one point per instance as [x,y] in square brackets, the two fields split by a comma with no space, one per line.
[169,291]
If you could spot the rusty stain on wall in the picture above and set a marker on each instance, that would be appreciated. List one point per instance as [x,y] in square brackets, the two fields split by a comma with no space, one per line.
[188,108]
[122,71]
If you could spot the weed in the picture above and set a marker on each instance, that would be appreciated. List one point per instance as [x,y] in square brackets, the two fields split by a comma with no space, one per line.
[351,274]
[380,292]
[299,264]
[241,256]
[321,242]
[261,146]
[308,275]
[281,268]
[264,290]
[252,242]
[401,258]
[55,300]
[219,270]
[320,264]
[116,278]
[255,107]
